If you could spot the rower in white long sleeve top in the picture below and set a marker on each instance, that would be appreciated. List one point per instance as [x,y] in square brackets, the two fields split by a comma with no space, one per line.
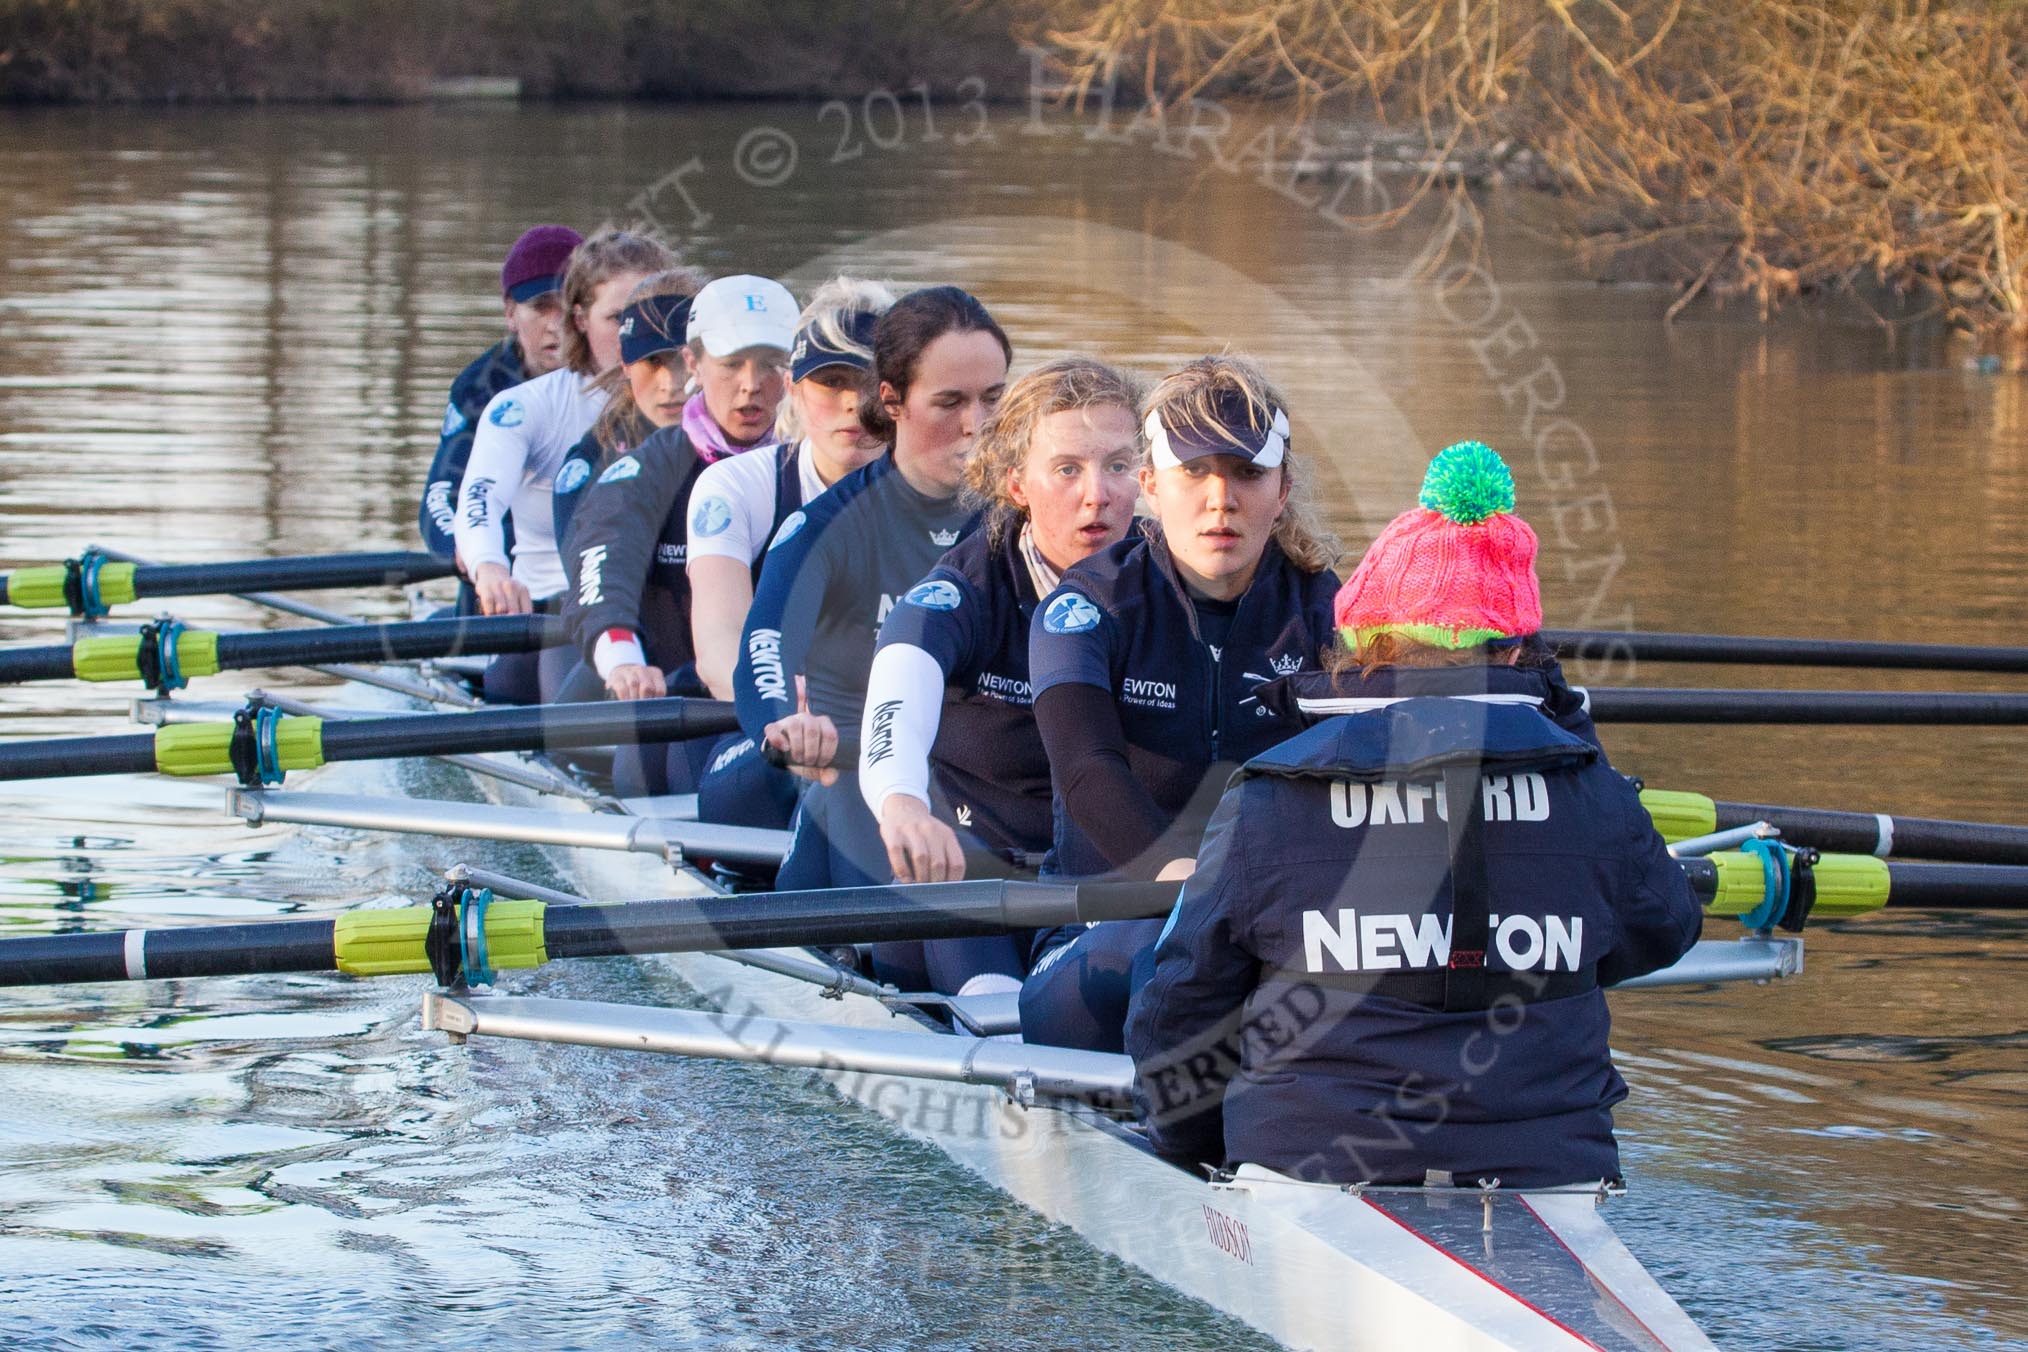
[522,439]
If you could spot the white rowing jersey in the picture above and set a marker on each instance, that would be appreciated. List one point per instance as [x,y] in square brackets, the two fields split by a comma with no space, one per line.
[523,437]
[732,507]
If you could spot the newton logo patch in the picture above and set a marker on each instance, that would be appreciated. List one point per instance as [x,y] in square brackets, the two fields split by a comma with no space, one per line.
[790,526]
[626,467]
[507,413]
[711,517]
[572,476]
[936,594]
[1070,614]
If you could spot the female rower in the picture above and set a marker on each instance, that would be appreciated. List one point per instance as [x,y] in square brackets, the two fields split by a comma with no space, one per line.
[522,439]
[529,282]
[1416,988]
[836,567]
[1146,662]
[741,501]
[949,756]
[628,604]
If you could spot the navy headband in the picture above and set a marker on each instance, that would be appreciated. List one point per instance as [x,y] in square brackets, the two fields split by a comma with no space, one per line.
[812,353]
[653,325]
[1236,433]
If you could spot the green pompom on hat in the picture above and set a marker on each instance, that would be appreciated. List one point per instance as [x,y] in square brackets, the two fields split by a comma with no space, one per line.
[1468,482]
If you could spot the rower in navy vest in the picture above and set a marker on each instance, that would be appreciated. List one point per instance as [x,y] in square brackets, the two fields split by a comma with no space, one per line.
[530,279]
[628,602]
[837,567]
[1387,966]
[740,503]
[949,756]
[1146,661]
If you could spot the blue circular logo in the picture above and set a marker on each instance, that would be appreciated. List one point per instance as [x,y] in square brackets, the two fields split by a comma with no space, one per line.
[713,516]
[626,467]
[936,594]
[572,476]
[1070,614]
[507,413]
[793,524]
[453,420]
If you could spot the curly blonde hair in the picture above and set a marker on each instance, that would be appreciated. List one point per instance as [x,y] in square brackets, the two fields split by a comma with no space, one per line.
[1064,385]
[1188,400]
[834,303]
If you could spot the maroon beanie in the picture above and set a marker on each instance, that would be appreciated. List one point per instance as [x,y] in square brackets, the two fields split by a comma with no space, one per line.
[536,263]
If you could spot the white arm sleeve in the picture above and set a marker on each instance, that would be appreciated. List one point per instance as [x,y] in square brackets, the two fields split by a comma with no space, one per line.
[904,704]
[492,476]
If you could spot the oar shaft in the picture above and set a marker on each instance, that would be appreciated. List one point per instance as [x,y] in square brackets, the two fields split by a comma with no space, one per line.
[316,572]
[526,934]
[1882,834]
[1658,705]
[843,916]
[67,757]
[533,728]
[103,582]
[1607,645]
[464,636]
[146,955]
[1990,887]
[199,652]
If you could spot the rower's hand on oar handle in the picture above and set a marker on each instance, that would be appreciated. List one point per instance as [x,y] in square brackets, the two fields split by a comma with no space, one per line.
[808,742]
[499,593]
[920,848]
[1176,871]
[634,681]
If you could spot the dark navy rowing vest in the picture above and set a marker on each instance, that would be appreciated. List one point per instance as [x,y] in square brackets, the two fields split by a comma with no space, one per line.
[1122,621]
[988,772]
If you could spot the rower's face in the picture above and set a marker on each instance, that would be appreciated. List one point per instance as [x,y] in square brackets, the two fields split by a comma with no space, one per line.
[828,400]
[657,385]
[600,320]
[958,380]
[742,391]
[1217,513]
[1077,482]
[537,328]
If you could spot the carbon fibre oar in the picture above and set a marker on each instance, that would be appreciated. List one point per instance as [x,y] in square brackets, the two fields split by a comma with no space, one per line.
[1607,645]
[520,934]
[459,936]
[1679,816]
[90,584]
[260,745]
[1629,704]
[166,655]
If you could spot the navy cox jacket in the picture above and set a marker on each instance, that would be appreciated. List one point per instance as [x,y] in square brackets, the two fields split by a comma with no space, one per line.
[1295,1016]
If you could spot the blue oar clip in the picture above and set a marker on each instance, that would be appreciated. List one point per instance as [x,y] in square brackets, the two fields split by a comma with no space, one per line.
[472,935]
[81,585]
[1774,867]
[159,664]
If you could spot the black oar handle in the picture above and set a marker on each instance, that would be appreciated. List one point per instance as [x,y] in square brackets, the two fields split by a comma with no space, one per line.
[1882,834]
[67,757]
[1605,645]
[534,728]
[317,572]
[1657,705]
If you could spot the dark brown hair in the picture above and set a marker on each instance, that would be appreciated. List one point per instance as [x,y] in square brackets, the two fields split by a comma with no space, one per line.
[910,325]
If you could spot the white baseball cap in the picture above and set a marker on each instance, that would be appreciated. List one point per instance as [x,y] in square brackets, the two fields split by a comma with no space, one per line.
[735,313]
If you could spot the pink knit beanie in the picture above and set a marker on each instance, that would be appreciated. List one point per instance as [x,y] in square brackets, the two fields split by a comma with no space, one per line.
[1458,570]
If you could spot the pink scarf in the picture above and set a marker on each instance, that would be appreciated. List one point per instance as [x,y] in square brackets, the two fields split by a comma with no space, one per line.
[707,437]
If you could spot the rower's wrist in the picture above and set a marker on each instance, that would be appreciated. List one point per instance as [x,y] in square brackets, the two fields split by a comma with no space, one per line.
[901,805]
[617,648]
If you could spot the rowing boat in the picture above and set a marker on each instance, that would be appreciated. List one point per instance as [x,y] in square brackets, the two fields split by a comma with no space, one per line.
[1309,1265]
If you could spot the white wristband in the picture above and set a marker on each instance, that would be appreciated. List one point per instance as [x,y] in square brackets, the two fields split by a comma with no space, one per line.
[611,653]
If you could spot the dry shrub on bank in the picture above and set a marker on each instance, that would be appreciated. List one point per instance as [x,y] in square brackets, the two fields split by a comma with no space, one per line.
[1765,148]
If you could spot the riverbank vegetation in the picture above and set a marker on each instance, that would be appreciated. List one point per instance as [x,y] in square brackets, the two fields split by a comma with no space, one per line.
[1761,149]
[390,50]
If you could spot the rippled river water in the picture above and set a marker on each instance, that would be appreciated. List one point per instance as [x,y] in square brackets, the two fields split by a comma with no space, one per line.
[229,332]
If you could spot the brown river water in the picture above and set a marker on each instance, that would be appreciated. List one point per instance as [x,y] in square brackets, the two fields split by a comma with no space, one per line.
[229,332]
